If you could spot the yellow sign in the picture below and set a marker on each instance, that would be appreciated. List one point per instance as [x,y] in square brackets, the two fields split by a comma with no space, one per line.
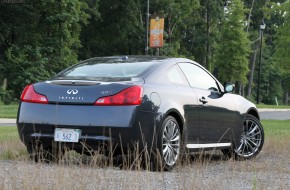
[156,31]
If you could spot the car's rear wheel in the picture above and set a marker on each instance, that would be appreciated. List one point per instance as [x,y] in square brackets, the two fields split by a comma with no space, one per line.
[168,145]
[251,140]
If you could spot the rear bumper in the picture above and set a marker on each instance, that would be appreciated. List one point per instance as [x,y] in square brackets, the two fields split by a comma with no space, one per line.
[123,126]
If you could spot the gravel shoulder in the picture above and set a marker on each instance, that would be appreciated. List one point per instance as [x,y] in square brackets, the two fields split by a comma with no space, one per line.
[267,171]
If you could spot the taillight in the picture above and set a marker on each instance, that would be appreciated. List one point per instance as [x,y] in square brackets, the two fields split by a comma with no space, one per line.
[129,96]
[29,95]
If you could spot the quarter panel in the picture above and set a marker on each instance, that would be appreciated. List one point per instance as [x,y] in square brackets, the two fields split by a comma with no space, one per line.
[178,99]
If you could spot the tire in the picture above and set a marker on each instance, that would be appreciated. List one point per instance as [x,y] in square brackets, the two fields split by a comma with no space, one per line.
[168,145]
[251,140]
[38,153]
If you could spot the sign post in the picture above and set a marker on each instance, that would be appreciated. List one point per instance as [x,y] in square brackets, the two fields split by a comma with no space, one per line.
[147,28]
[156,31]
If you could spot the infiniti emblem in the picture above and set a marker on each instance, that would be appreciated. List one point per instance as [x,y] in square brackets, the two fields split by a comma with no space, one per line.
[72,91]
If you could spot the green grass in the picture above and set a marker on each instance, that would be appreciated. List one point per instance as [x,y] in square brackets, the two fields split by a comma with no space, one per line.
[273,106]
[8,111]
[277,128]
[8,134]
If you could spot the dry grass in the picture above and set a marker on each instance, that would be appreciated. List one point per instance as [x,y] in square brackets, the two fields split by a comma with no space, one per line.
[203,173]
[270,170]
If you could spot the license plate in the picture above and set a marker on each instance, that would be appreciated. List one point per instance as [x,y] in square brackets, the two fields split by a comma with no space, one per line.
[66,135]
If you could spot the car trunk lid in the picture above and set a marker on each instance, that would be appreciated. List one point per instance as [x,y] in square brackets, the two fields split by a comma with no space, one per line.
[80,91]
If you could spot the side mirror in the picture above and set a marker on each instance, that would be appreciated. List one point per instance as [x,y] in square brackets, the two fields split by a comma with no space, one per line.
[229,87]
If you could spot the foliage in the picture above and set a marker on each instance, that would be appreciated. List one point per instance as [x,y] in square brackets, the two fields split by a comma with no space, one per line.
[233,48]
[204,33]
[177,15]
[40,38]
[55,26]
[281,56]
[118,31]
[28,65]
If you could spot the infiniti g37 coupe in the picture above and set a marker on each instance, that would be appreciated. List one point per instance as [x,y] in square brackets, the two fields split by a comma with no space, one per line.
[167,106]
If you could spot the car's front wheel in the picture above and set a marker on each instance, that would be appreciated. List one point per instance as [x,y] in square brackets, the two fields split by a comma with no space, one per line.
[169,143]
[251,140]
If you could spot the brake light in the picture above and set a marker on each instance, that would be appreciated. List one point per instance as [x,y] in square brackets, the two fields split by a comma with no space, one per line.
[29,95]
[129,96]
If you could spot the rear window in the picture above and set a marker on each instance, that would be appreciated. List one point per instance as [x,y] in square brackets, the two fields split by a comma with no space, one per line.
[108,70]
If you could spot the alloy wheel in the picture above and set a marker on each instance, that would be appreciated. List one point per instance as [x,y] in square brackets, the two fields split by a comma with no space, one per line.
[171,142]
[252,139]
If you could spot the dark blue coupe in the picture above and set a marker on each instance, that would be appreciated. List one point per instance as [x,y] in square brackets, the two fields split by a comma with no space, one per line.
[158,105]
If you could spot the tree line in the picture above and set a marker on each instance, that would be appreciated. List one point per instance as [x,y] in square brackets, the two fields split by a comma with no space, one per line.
[40,38]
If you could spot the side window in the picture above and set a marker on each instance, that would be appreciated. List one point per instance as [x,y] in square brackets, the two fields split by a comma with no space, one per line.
[175,76]
[198,77]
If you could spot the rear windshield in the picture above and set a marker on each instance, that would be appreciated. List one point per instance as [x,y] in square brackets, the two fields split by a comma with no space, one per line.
[96,69]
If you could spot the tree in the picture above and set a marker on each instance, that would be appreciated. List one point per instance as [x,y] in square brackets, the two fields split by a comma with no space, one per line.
[281,56]
[207,34]
[59,27]
[40,38]
[88,35]
[117,29]
[45,41]
[179,17]
[233,49]
[254,18]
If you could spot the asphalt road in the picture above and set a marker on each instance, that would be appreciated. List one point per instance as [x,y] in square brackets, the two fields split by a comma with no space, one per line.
[7,122]
[275,114]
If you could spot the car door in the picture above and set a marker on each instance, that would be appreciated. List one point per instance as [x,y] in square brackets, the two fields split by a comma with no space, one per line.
[187,98]
[216,112]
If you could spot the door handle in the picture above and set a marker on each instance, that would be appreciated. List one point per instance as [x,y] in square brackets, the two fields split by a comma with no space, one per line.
[203,100]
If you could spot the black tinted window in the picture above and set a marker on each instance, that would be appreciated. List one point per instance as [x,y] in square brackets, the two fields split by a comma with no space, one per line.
[198,77]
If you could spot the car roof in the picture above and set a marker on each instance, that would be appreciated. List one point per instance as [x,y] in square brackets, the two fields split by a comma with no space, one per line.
[159,61]
[135,58]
